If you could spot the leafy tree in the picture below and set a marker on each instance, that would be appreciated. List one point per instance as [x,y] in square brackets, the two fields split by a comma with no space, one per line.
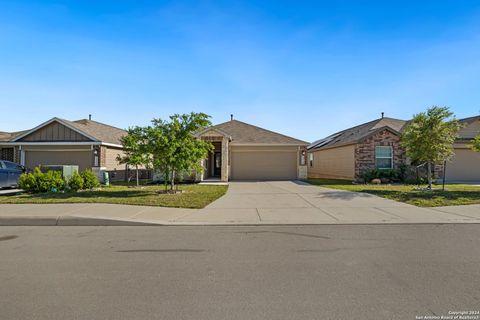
[476,144]
[134,149]
[430,136]
[173,146]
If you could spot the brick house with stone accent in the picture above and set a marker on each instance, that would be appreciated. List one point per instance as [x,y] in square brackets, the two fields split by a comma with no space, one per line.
[376,145]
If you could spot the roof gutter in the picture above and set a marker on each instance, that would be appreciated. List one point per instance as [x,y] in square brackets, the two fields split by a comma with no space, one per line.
[62,143]
[268,144]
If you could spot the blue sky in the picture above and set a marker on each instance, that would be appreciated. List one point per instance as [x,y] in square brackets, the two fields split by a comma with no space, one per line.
[306,69]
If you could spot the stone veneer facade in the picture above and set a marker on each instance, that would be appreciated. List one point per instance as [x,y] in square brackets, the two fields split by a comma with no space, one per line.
[365,151]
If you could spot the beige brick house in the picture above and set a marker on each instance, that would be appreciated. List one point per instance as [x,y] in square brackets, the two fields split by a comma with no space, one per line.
[86,143]
[247,152]
[376,144]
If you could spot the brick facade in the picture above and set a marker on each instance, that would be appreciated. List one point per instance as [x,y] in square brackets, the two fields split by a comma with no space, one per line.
[365,151]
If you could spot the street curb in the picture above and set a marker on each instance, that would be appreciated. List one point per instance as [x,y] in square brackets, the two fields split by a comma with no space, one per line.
[66,221]
[28,221]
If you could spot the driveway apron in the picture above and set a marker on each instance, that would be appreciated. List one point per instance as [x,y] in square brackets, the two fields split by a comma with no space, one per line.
[287,202]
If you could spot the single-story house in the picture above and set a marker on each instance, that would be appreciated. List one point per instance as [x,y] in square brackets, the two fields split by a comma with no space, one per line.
[247,152]
[376,144]
[86,143]
[242,151]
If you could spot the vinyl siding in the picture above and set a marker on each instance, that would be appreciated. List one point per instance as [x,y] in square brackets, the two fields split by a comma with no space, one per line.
[335,163]
[54,132]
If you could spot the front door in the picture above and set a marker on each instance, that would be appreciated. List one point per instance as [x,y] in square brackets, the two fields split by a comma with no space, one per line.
[217,164]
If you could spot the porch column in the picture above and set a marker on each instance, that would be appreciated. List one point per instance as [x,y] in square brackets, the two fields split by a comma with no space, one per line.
[224,175]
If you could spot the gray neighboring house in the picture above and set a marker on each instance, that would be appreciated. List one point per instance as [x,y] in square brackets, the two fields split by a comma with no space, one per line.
[247,152]
[86,143]
[376,144]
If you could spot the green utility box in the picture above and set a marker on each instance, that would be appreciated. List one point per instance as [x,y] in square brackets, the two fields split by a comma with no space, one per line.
[106,178]
[66,171]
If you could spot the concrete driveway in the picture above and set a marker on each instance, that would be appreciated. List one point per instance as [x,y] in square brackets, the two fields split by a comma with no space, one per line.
[295,202]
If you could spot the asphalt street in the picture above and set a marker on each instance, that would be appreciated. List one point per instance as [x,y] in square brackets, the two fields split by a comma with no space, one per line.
[294,272]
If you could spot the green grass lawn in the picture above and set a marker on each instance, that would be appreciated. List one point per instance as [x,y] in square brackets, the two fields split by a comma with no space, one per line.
[194,196]
[454,194]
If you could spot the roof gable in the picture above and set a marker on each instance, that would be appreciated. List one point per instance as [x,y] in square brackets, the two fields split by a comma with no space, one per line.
[360,132]
[212,132]
[244,133]
[60,130]
[54,130]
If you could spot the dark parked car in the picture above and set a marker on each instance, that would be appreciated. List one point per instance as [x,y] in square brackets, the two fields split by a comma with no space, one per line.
[9,174]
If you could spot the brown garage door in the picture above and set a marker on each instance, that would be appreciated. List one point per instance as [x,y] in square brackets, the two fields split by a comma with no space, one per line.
[263,165]
[83,159]
[465,166]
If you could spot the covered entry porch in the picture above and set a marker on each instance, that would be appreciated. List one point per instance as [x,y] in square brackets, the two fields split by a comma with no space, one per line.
[216,165]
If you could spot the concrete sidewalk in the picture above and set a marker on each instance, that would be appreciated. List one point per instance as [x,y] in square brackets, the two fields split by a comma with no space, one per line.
[111,214]
[248,203]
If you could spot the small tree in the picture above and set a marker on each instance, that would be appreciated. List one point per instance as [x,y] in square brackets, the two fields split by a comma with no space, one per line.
[134,149]
[173,146]
[476,144]
[430,136]
[188,150]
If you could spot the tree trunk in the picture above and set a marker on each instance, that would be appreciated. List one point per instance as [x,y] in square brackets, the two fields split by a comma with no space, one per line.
[172,183]
[165,180]
[136,169]
[444,172]
[429,174]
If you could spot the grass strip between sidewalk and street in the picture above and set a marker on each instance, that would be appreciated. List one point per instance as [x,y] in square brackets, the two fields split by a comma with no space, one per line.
[454,194]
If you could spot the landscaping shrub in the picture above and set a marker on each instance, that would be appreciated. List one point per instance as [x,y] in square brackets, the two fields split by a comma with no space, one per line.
[37,181]
[385,175]
[27,182]
[90,179]
[51,181]
[75,182]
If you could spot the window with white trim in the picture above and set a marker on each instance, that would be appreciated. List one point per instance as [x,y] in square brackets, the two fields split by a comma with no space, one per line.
[383,157]
[310,159]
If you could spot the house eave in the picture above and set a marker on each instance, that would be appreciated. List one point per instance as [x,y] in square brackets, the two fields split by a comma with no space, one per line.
[333,147]
[61,143]
[268,144]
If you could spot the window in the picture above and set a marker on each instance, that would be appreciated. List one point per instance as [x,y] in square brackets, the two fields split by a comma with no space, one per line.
[95,158]
[310,159]
[10,165]
[302,159]
[383,157]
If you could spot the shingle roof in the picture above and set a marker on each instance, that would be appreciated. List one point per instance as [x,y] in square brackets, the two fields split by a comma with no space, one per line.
[469,119]
[100,131]
[357,133]
[7,136]
[97,130]
[244,133]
